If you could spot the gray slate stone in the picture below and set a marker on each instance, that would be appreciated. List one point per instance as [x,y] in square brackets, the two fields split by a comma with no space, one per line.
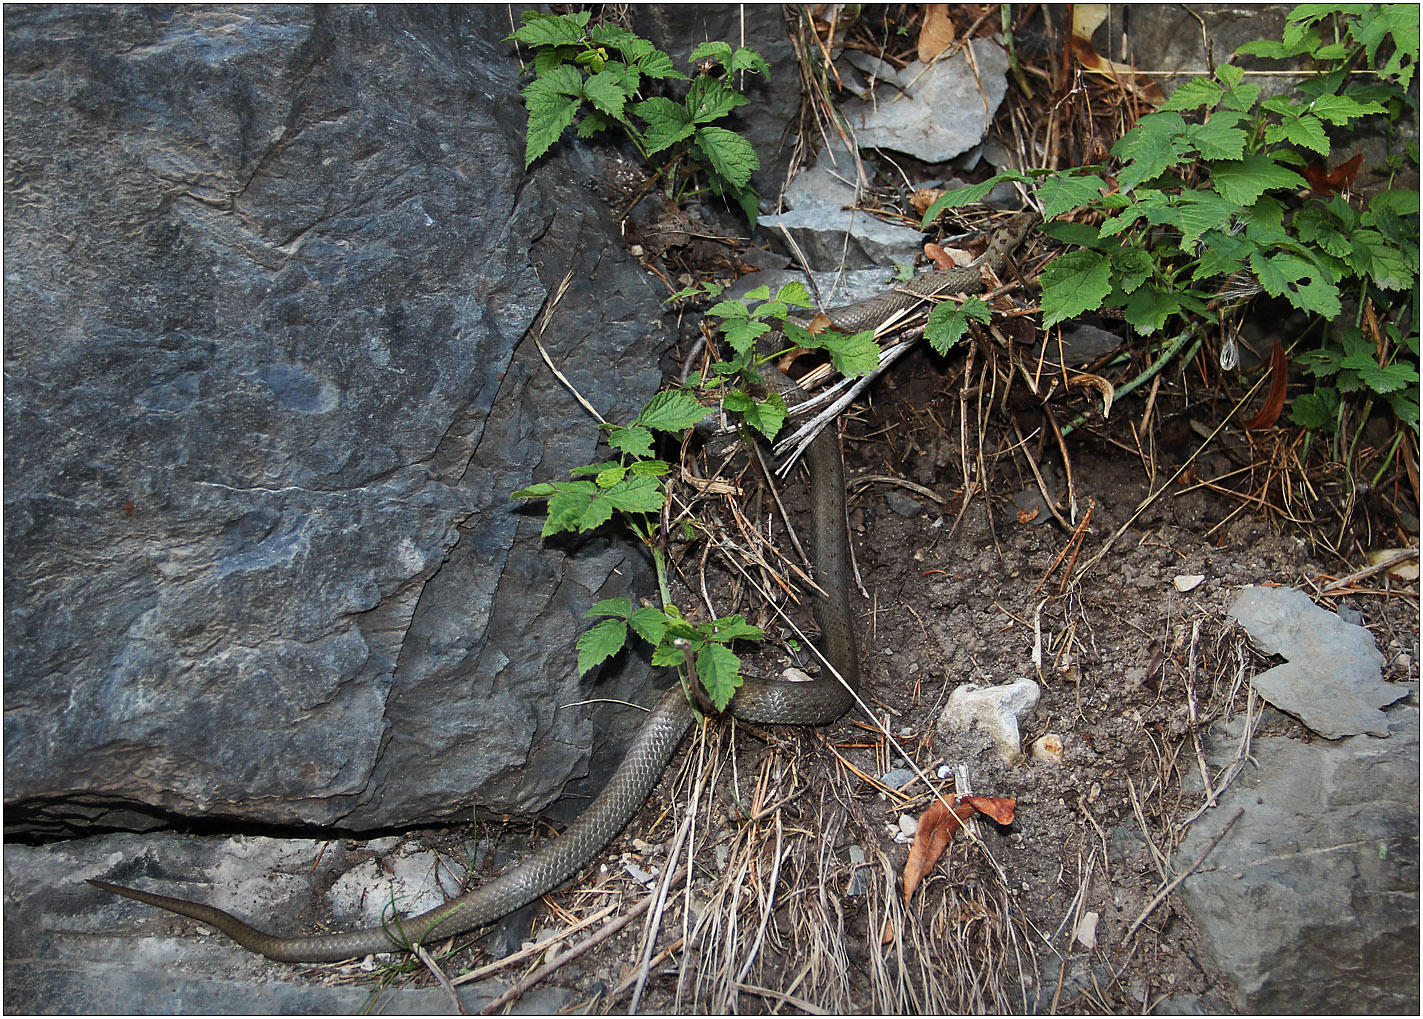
[1333,681]
[1310,902]
[934,112]
[268,272]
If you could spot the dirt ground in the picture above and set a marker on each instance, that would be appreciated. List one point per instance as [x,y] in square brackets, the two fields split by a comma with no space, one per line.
[795,901]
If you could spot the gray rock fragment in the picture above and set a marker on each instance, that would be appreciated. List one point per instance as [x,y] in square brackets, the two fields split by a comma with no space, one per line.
[934,112]
[1310,902]
[993,710]
[1333,681]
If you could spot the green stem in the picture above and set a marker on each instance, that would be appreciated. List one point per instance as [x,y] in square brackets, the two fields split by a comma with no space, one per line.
[1156,366]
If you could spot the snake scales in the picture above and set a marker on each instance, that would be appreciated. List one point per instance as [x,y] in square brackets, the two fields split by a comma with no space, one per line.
[818,702]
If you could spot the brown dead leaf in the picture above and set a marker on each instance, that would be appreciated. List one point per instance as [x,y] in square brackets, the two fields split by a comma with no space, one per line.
[941,258]
[1275,402]
[937,32]
[922,198]
[1000,808]
[936,828]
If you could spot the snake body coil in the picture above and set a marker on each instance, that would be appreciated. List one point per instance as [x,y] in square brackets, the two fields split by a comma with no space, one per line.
[818,702]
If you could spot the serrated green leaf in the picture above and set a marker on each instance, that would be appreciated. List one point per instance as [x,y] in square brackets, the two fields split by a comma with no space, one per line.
[1199,211]
[651,468]
[551,29]
[1063,192]
[600,643]
[795,294]
[649,624]
[1382,262]
[611,476]
[1243,181]
[1317,410]
[575,509]
[542,490]
[619,607]
[733,309]
[1220,138]
[1305,131]
[549,115]
[714,50]
[1193,95]
[671,411]
[1317,296]
[593,122]
[636,495]
[667,656]
[729,628]
[768,416]
[747,59]
[1342,109]
[605,90]
[1381,379]
[1222,254]
[1263,48]
[729,154]
[708,99]
[720,673]
[1148,309]
[1131,267]
[743,334]
[1075,283]
[667,123]
[853,355]
[1149,148]
[948,322]
[630,45]
[589,470]
[966,196]
[633,440]
[770,309]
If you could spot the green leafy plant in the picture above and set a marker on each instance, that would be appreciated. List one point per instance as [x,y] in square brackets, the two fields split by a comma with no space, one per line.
[592,78]
[1210,188]
[632,488]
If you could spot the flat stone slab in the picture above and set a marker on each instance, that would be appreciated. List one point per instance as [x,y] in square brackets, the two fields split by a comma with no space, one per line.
[1333,681]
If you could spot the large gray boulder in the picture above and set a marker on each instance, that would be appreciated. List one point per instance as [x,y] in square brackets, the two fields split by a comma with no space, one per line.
[269,274]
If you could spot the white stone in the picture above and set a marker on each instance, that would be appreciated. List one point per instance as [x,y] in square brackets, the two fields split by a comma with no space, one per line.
[996,710]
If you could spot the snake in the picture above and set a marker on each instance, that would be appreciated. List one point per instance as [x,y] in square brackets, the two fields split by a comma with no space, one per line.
[819,701]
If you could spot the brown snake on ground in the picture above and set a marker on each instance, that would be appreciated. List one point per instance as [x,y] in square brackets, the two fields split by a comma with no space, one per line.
[818,702]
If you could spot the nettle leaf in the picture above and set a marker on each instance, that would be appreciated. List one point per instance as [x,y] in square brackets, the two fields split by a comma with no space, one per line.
[766,417]
[1305,131]
[708,99]
[1193,95]
[714,50]
[650,624]
[667,123]
[1381,379]
[729,154]
[636,495]
[651,468]
[1238,96]
[1075,283]
[1384,263]
[1243,181]
[1318,410]
[1220,138]
[574,508]
[795,294]
[1222,254]
[1131,267]
[549,114]
[720,673]
[606,91]
[550,29]
[747,59]
[854,355]
[610,477]
[948,322]
[620,607]
[600,643]
[742,334]
[1148,309]
[671,411]
[1199,211]
[1149,148]
[1062,192]
[1342,109]
[769,309]
[967,196]
[1078,235]
[729,628]
[633,440]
